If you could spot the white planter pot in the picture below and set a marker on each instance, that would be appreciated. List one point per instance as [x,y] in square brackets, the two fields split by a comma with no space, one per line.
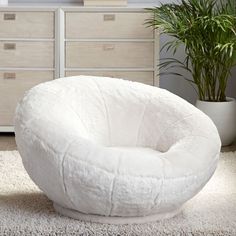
[223,114]
[3,2]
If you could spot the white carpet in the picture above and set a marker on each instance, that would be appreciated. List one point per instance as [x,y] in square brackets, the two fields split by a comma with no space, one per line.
[24,210]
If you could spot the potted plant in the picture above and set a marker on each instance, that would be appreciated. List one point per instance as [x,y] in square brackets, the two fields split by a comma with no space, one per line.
[207,30]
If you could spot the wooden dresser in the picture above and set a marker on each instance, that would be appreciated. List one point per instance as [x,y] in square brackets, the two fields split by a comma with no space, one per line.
[42,42]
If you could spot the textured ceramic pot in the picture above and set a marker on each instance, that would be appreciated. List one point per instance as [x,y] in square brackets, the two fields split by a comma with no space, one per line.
[223,114]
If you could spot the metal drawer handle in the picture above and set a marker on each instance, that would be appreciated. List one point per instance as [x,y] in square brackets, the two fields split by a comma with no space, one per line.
[9,75]
[9,46]
[108,47]
[9,16]
[109,17]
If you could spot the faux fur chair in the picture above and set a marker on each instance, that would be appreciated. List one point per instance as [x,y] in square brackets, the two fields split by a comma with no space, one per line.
[114,151]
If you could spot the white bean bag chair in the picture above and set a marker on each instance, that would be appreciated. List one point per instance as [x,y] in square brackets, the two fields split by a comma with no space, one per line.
[114,151]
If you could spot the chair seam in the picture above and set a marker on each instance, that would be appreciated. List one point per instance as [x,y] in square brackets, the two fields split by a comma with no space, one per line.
[106,108]
[63,170]
[141,121]
[113,184]
[161,187]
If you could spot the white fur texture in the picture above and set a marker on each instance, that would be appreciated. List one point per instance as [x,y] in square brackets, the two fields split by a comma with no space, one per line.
[114,148]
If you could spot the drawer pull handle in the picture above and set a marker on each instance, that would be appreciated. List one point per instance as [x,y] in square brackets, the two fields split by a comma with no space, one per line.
[108,47]
[9,75]
[9,16]
[9,46]
[109,17]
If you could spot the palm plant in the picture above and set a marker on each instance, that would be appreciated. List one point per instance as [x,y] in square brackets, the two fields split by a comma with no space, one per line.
[207,29]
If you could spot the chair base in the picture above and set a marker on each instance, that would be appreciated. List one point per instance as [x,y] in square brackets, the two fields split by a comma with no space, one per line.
[113,219]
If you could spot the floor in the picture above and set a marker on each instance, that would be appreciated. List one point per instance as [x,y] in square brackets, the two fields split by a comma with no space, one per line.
[7,143]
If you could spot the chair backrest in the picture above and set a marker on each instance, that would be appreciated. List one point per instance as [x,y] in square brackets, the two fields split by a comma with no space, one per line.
[115,112]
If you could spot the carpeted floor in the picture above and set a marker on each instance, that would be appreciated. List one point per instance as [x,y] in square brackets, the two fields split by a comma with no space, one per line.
[24,210]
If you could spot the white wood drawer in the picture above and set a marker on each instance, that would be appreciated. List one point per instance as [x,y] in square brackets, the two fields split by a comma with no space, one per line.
[27,54]
[103,54]
[146,77]
[107,25]
[13,85]
[26,25]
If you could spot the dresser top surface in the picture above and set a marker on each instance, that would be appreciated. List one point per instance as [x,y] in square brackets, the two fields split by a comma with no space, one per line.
[72,7]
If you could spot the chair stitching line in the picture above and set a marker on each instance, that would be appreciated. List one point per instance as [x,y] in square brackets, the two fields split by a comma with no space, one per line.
[113,184]
[63,170]
[106,108]
[156,199]
[141,121]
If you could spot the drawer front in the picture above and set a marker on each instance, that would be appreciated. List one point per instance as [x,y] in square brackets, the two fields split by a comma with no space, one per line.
[117,54]
[107,25]
[140,76]
[26,25]
[27,54]
[13,85]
